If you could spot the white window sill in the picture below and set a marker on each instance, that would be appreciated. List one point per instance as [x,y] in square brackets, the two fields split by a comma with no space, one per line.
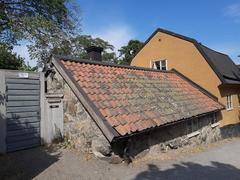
[215,124]
[193,134]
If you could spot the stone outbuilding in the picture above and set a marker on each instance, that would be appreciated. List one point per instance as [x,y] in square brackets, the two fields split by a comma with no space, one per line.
[127,110]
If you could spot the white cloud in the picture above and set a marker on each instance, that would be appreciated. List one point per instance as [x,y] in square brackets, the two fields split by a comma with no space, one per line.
[117,35]
[23,52]
[233,10]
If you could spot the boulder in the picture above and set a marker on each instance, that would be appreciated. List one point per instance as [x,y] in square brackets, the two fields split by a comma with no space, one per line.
[101,147]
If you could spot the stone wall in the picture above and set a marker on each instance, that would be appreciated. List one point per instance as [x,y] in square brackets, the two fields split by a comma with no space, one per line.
[79,128]
[169,137]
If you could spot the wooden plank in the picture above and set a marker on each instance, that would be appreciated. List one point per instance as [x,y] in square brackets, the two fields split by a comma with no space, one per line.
[23,109]
[22,126]
[23,144]
[14,139]
[23,92]
[22,147]
[23,131]
[22,81]
[23,120]
[15,75]
[23,86]
[23,98]
[22,103]
[22,115]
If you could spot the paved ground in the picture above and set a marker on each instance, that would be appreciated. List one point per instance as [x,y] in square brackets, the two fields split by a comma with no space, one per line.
[221,162]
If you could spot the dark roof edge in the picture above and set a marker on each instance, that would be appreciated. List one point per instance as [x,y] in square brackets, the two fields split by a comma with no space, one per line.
[204,91]
[99,119]
[197,45]
[69,58]
[162,126]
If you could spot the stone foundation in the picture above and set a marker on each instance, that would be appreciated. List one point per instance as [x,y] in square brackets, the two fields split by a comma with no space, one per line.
[169,137]
[230,131]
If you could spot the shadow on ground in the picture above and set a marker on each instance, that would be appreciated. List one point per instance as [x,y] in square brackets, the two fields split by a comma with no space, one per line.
[189,170]
[27,164]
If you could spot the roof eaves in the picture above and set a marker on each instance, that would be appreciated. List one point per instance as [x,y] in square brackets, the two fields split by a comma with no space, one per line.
[100,120]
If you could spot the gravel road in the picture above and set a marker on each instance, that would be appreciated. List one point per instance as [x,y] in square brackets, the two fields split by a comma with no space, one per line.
[219,162]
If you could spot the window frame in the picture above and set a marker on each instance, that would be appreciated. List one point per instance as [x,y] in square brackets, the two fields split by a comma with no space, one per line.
[192,132]
[160,64]
[229,102]
[214,120]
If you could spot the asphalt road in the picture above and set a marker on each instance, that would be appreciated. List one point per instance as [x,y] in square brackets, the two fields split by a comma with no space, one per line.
[220,163]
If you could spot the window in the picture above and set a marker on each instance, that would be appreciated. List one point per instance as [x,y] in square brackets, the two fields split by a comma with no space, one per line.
[161,65]
[192,125]
[214,119]
[229,102]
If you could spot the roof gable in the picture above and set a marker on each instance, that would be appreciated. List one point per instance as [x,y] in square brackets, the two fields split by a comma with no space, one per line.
[220,63]
[130,100]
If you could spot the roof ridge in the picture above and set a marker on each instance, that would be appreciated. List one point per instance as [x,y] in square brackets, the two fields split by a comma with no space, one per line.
[86,61]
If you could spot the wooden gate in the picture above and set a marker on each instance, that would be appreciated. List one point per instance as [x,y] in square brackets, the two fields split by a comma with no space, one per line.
[23,112]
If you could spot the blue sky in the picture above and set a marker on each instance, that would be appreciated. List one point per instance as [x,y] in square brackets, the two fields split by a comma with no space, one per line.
[214,23]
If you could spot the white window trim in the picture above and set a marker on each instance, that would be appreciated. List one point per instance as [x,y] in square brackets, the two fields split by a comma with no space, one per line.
[195,133]
[152,62]
[215,124]
[231,104]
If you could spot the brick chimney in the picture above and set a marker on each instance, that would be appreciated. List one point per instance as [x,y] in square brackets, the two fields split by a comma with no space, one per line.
[94,53]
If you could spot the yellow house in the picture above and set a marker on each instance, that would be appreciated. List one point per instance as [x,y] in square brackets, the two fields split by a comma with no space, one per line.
[212,70]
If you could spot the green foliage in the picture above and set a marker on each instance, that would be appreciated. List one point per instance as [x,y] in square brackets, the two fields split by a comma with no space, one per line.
[8,59]
[51,27]
[33,19]
[44,23]
[27,67]
[127,52]
[80,43]
[74,46]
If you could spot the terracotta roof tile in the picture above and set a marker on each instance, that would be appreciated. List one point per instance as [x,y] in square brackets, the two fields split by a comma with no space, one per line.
[133,100]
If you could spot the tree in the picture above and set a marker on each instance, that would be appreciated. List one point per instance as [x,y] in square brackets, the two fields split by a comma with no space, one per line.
[74,46]
[8,59]
[45,23]
[80,43]
[127,52]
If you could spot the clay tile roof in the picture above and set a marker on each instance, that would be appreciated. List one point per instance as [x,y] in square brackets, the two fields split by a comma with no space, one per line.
[134,99]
